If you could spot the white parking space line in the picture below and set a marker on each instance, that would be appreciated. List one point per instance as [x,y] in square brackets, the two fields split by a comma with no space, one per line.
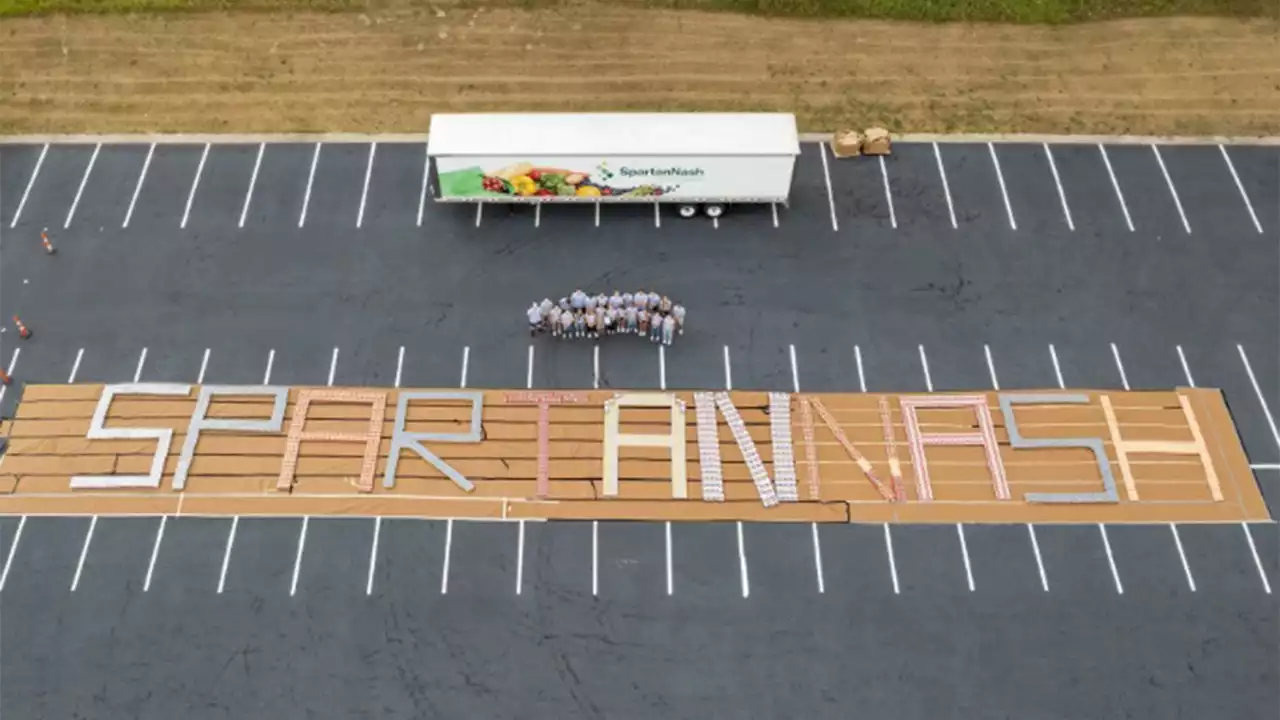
[1177,201]
[84,180]
[204,365]
[893,564]
[657,216]
[1057,369]
[226,553]
[1191,581]
[1062,195]
[946,186]
[195,185]
[595,558]
[297,560]
[964,551]
[1035,548]
[1253,549]
[595,367]
[1265,466]
[253,182]
[142,360]
[742,564]
[817,559]
[528,382]
[399,365]
[520,561]
[31,181]
[1116,184]
[826,174]
[715,223]
[991,367]
[311,178]
[862,379]
[155,552]
[137,188]
[333,366]
[22,523]
[1271,421]
[662,367]
[728,371]
[1115,353]
[271,360]
[426,175]
[774,208]
[537,215]
[466,356]
[597,213]
[888,196]
[1240,186]
[1004,192]
[795,371]
[13,363]
[671,586]
[479,213]
[364,192]
[75,366]
[1186,369]
[448,550]
[373,555]
[1111,560]
[84,552]
[924,364]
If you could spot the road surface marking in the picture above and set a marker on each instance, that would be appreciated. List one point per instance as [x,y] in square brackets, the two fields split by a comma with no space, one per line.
[795,372]
[671,587]
[399,365]
[537,215]
[1191,582]
[204,365]
[311,177]
[774,208]
[662,367]
[13,363]
[271,359]
[991,367]
[364,192]
[520,561]
[817,559]
[22,523]
[333,366]
[1013,224]
[253,182]
[528,381]
[657,216]
[1062,195]
[1177,201]
[479,213]
[75,367]
[924,363]
[137,188]
[597,213]
[1253,549]
[84,552]
[226,554]
[1116,184]
[1035,548]
[893,216]
[195,185]
[30,182]
[946,187]
[466,355]
[297,560]
[728,371]
[1186,369]
[1111,560]
[373,555]
[1240,186]
[155,552]
[822,148]
[448,547]
[142,360]
[1057,369]
[1115,353]
[426,175]
[893,565]
[964,551]
[742,563]
[80,191]
[1271,421]
[595,558]
[862,379]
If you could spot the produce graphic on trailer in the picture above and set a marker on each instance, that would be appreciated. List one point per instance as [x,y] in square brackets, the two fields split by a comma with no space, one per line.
[526,180]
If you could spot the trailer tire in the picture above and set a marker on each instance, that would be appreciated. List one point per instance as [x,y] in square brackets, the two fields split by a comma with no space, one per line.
[713,210]
[688,211]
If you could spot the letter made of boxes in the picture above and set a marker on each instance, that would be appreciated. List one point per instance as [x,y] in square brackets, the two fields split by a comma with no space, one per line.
[986,437]
[709,461]
[402,439]
[674,440]
[200,422]
[99,431]
[1196,446]
[1093,445]
[371,437]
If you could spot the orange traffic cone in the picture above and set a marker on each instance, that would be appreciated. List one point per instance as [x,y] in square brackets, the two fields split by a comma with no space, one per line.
[44,240]
[4,377]
[23,332]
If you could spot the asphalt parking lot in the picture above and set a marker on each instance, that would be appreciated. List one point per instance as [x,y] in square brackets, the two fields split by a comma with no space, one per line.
[946,267]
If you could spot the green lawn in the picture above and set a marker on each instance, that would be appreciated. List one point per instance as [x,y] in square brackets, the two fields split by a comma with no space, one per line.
[1017,11]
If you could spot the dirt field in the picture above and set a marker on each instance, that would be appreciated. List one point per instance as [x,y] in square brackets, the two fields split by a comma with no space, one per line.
[389,71]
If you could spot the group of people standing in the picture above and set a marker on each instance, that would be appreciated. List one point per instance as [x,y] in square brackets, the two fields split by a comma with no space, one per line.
[582,315]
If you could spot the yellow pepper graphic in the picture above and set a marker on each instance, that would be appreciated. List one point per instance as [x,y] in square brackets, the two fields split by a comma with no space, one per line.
[588,191]
[524,185]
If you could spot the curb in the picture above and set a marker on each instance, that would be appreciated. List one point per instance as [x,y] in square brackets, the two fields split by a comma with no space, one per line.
[245,138]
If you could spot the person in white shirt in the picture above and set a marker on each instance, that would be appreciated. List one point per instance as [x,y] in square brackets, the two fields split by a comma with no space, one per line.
[677,311]
[535,319]
[655,327]
[566,324]
[630,318]
[553,320]
[592,321]
[578,300]
[668,329]
[654,300]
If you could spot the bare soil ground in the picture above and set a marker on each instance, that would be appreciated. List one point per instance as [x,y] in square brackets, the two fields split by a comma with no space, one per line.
[388,71]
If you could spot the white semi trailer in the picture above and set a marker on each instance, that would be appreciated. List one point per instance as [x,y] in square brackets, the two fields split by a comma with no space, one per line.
[694,161]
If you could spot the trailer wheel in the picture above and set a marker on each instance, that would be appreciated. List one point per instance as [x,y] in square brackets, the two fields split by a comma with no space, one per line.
[688,211]
[713,211]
